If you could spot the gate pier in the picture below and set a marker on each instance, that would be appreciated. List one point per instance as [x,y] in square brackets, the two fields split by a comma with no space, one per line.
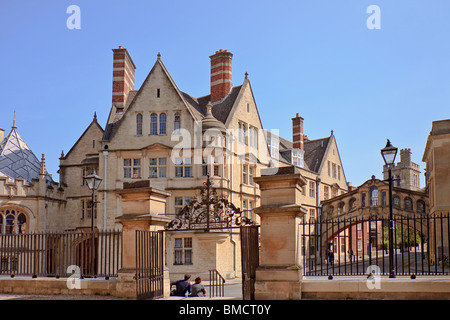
[142,210]
[279,275]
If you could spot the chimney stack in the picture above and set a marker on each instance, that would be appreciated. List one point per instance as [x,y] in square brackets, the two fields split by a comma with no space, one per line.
[297,132]
[220,75]
[123,77]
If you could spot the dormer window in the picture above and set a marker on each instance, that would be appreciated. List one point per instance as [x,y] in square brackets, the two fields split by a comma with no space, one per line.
[297,157]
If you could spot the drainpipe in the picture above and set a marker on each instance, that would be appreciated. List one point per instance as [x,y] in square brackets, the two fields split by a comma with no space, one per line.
[318,213]
[105,178]
[317,196]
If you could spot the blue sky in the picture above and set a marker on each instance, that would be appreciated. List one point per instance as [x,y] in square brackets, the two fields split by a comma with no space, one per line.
[317,58]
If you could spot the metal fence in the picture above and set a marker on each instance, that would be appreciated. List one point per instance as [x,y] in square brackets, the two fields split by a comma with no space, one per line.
[61,254]
[359,246]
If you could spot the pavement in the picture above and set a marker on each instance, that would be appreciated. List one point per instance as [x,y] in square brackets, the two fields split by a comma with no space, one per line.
[232,291]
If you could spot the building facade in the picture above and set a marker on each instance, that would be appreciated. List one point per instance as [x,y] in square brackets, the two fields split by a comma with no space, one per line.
[437,178]
[159,137]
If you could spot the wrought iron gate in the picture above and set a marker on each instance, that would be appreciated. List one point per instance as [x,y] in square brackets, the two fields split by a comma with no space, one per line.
[208,213]
[149,264]
[249,259]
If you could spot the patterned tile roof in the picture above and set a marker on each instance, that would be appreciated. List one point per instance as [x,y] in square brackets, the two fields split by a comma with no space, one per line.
[16,158]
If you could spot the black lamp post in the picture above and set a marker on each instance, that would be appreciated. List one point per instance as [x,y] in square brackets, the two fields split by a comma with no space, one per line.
[93,182]
[389,152]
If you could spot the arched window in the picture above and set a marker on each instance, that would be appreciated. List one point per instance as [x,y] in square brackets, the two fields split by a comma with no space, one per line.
[177,123]
[373,196]
[341,207]
[154,124]
[15,221]
[420,206]
[139,124]
[352,203]
[396,201]
[408,204]
[162,123]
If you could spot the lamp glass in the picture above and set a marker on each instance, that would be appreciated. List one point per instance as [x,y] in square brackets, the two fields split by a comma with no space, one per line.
[93,180]
[389,152]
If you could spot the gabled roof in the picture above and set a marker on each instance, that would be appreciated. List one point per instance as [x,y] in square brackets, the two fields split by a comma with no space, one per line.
[93,123]
[195,106]
[314,152]
[16,158]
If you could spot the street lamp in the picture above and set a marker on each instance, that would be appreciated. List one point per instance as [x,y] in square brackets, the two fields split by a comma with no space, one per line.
[388,153]
[93,182]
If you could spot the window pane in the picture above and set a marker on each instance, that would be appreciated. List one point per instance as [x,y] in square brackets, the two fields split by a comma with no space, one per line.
[153,161]
[126,162]
[178,171]
[153,123]
[139,124]
[178,257]
[153,172]
[136,162]
[188,257]
[188,171]
[162,123]
[177,122]
[178,243]
[162,172]
[162,161]
[188,242]
[127,172]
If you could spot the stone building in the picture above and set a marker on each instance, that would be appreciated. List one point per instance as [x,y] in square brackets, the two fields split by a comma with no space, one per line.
[371,200]
[161,140]
[29,198]
[437,179]
[406,172]
[319,163]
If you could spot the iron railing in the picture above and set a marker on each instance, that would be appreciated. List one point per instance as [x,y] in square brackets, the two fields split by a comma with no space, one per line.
[149,264]
[216,284]
[61,254]
[352,246]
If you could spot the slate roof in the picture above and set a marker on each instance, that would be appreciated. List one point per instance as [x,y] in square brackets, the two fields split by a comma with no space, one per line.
[314,151]
[16,158]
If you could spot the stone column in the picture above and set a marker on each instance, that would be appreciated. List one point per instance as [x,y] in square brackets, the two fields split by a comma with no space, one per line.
[280,272]
[142,208]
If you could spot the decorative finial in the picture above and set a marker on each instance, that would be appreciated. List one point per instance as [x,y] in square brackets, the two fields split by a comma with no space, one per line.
[246,75]
[43,169]
[209,109]
[62,153]
[159,55]
[14,120]
[95,116]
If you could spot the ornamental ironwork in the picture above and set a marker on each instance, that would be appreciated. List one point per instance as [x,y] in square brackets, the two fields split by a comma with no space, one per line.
[209,211]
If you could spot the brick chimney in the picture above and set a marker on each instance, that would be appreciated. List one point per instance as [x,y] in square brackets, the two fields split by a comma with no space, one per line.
[123,77]
[297,132]
[220,75]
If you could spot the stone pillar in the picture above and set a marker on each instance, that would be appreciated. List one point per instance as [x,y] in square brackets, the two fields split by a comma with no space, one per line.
[142,208]
[280,272]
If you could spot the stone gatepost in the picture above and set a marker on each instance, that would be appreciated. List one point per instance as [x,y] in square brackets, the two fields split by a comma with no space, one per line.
[280,272]
[142,209]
